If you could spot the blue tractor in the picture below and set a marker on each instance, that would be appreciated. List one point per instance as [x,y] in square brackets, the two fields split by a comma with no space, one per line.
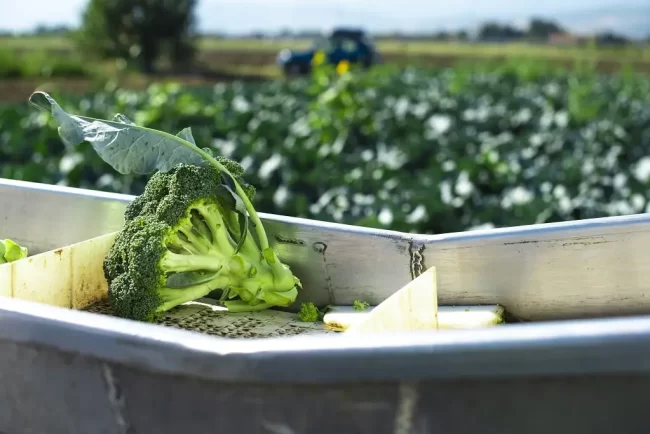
[351,45]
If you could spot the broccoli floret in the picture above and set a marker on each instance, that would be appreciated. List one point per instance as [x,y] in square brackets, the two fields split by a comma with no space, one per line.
[181,241]
[308,312]
[161,185]
[11,251]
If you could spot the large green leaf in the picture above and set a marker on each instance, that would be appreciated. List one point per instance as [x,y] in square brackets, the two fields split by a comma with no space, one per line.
[128,148]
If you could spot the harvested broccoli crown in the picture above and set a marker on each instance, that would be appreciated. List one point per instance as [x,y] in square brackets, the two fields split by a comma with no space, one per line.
[182,240]
[188,233]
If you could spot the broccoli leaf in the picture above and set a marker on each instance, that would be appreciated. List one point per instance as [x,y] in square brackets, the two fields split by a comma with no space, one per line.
[186,134]
[128,148]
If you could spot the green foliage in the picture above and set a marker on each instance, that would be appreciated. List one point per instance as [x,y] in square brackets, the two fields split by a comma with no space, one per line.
[403,149]
[39,64]
[140,31]
[541,29]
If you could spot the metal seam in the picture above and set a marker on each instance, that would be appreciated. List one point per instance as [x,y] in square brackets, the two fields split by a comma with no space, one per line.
[116,400]
[416,259]
[406,407]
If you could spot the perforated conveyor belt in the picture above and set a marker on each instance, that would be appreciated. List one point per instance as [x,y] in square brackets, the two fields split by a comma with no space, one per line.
[204,316]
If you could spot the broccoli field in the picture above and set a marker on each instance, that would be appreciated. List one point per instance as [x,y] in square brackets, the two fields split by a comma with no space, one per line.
[415,150]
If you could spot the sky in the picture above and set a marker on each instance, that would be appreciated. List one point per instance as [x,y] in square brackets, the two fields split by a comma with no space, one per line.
[237,16]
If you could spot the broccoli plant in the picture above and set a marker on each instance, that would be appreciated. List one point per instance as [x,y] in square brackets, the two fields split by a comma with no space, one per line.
[191,231]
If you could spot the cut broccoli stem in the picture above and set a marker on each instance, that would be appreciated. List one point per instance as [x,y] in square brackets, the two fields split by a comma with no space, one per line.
[173,297]
[178,245]
[199,223]
[179,263]
[200,243]
[219,232]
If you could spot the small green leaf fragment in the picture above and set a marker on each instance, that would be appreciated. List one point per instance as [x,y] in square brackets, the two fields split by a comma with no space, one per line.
[12,251]
[359,305]
[308,312]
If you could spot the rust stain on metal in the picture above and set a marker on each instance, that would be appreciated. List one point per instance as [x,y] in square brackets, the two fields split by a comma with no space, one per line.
[524,242]
[576,241]
[416,259]
[293,241]
[585,243]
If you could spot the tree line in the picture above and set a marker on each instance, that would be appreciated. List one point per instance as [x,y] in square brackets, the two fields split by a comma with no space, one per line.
[150,34]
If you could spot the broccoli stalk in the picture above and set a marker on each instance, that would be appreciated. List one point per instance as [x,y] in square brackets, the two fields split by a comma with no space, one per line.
[189,233]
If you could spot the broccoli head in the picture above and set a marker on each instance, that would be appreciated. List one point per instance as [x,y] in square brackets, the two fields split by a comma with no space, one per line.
[184,238]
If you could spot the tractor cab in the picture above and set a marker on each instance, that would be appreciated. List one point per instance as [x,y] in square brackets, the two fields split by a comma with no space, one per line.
[351,45]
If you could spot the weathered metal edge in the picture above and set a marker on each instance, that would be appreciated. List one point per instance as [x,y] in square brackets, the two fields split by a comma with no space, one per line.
[566,270]
[580,347]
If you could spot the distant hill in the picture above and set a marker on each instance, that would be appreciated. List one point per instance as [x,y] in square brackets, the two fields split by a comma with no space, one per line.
[632,22]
